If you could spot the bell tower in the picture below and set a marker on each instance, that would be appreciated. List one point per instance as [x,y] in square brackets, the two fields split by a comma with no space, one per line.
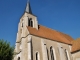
[28,19]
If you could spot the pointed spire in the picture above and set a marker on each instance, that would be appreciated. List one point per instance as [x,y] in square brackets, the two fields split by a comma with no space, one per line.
[28,8]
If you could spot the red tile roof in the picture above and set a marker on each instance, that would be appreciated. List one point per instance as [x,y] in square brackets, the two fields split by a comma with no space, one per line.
[50,34]
[76,45]
[55,36]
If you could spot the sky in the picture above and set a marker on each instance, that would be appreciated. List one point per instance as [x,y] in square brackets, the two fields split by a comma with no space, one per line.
[60,15]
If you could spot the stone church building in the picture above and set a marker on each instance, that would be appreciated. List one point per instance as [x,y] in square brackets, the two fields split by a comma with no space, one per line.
[37,42]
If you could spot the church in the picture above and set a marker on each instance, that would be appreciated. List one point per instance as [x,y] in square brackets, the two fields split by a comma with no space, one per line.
[37,42]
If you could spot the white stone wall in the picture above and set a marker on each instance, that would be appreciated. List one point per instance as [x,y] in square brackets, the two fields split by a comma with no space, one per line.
[76,55]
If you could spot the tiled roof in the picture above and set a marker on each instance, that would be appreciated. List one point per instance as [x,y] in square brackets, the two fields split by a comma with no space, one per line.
[76,45]
[67,37]
[50,34]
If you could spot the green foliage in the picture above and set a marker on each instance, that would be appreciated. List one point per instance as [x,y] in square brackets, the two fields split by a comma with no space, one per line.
[6,51]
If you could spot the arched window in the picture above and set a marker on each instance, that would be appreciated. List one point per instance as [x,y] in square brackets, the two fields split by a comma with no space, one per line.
[18,58]
[51,52]
[66,55]
[30,22]
[22,23]
[47,54]
[37,56]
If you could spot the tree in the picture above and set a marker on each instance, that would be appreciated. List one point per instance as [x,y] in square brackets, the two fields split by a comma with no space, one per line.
[6,51]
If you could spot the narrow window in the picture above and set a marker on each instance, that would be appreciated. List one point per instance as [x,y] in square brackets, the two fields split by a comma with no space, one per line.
[18,58]
[30,22]
[51,52]
[47,54]
[37,56]
[22,23]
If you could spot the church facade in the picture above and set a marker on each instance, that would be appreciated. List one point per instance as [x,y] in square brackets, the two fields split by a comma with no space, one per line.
[37,42]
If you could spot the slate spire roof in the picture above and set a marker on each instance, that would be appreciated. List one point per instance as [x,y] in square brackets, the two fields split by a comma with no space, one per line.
[28,8]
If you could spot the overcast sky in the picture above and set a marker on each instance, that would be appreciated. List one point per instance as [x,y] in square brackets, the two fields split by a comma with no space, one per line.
[60,15]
